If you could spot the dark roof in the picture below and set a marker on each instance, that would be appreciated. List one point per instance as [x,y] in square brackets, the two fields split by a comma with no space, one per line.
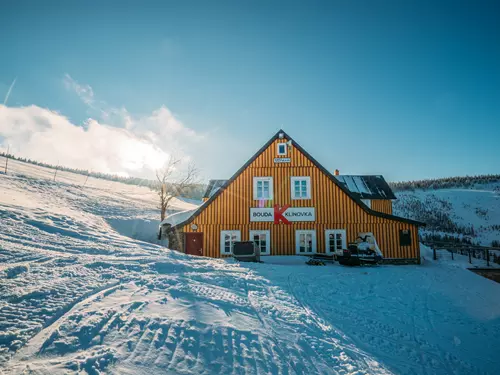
[367,187]
[317,164]
[213,186]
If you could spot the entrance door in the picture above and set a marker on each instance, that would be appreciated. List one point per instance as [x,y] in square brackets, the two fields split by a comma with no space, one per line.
[305,242]
[194,243]
[262,239]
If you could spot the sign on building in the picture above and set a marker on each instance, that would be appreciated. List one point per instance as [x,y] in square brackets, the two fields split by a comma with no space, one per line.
[284,214]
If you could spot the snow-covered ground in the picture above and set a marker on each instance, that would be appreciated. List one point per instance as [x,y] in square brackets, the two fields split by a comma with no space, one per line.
[128,209]
[76,295]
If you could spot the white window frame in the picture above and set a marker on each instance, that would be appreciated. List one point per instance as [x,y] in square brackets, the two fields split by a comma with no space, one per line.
[223,242]
[367,202]
[308,186]
[278,149]
[335,232]
[298,232]
[268,240]
[271,187]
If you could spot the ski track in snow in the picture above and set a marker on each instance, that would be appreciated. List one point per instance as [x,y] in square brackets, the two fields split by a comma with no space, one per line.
[76,296]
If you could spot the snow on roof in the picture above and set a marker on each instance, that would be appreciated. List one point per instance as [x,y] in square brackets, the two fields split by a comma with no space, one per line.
[367,187]
[213,186]
[178,217]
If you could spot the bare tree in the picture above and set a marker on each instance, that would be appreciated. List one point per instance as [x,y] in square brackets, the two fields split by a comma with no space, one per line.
[171,182]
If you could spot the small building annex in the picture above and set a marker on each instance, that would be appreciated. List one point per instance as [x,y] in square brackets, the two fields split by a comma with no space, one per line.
[289,204]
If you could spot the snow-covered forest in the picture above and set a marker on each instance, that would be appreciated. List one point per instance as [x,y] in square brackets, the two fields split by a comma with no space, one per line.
[466,208]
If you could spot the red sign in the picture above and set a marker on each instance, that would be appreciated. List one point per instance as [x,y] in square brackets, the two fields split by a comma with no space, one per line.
[278,214]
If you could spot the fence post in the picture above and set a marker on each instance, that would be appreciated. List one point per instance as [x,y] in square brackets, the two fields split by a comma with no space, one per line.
[470,259]
[434,253]
[86,180]
[7,158]
[55,173]
[488,257]
[452,255]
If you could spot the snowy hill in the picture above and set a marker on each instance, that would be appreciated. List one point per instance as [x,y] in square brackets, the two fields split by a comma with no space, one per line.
[472,211]
[79,296]
[128,209]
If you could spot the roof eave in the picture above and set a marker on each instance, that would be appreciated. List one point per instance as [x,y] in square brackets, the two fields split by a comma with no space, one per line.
[317,164]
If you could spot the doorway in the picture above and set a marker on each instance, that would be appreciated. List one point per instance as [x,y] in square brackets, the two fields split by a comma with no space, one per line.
[305,242]
[194,243]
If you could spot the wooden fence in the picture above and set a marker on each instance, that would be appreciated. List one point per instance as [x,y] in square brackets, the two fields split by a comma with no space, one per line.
[473,251]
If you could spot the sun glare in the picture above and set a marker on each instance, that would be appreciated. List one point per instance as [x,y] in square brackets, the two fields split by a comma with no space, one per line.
[137,155]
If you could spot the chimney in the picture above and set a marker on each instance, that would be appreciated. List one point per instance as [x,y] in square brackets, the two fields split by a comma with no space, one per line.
[337,172]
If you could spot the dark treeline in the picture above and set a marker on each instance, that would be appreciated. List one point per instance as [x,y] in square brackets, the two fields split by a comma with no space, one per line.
[445,183]
[437,237]
[195,192]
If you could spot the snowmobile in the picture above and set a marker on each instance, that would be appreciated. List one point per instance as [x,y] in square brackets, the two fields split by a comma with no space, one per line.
[364,251]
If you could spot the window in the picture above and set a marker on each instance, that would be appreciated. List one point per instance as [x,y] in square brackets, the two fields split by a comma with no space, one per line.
[301,187]
[405,237]
[368,202]
[335,240]
[305,241]
[263,188]
[281,149]
[262,240]
[227,240]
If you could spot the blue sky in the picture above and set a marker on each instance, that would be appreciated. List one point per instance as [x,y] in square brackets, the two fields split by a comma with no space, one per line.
[407,89]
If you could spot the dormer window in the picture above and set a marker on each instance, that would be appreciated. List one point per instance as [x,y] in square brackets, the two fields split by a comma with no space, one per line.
[281,149]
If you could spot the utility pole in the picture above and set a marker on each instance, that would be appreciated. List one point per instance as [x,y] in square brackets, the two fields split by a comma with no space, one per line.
[7,158]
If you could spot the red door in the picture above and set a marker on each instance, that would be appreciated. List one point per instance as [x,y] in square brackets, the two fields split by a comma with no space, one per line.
[194,243]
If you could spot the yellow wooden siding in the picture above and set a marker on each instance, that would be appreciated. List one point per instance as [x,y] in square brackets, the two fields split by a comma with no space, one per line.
[334,209]
[382,205]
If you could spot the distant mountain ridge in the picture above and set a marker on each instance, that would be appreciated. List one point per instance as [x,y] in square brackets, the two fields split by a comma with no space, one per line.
[445,182]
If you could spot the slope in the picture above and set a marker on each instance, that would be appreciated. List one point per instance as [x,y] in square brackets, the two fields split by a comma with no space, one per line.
[77,296]
[473,212]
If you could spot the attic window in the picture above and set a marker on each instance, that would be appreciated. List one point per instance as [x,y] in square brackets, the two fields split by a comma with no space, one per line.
[281,149]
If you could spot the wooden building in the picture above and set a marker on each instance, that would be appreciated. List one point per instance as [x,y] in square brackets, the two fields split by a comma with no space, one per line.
[289,204]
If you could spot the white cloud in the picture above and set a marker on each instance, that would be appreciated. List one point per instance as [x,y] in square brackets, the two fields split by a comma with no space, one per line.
[114,142]
[44,135]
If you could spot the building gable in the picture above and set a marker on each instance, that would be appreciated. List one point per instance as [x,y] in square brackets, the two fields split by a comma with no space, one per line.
[229,205]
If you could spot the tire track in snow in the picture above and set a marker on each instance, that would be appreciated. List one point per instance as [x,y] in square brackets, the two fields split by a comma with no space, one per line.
[447,362]
[357,343]
[414,337]
[27,263]
[263,320]
[347,344]
[35,344]
[269,326]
